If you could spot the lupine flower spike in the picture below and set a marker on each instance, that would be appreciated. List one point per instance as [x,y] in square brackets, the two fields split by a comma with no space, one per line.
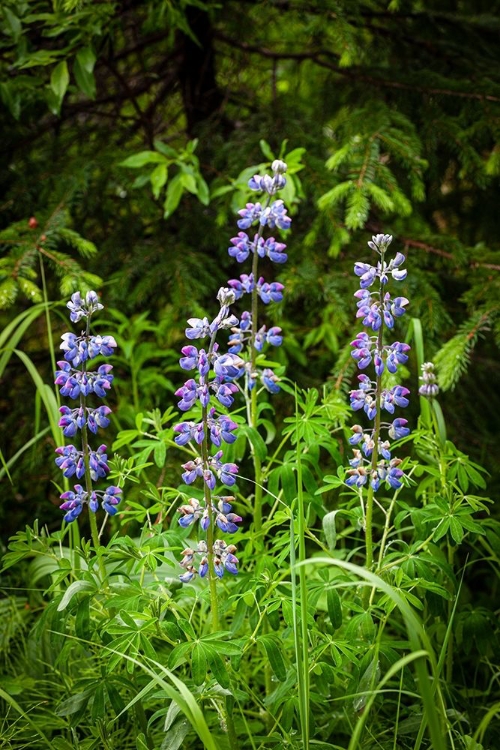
[77,382]
[211,384]
[372,463]
[248,334]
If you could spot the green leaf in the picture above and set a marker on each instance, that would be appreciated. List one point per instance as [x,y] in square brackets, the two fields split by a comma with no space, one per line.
[442,529]
[456,529]
[82,619]
[266,149]
[199,664]
[73,589]
[59,80]
[274,655]
[83,71]
[13,23]
[202,191]
[217,666]
[174,195]
[142,158]
[330,529]
[158,178]
[256,441]
[288,483]
[168,151]
[124,438]
[334,607]
[160,453]
[98,705]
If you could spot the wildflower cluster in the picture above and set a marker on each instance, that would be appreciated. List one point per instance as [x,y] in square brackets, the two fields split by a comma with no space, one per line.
[248,334]
[77,382]
[211,384]
[215,376]
[372,461]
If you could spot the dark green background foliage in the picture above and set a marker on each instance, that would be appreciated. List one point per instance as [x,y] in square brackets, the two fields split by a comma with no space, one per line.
[396,105]
[128,132]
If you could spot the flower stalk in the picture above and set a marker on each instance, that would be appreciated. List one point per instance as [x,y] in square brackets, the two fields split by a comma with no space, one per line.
[373,463]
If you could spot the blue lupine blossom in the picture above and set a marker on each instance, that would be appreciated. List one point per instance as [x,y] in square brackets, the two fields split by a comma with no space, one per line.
[372,462]
[223,558]
[213,373]
[225,519]
[76,382]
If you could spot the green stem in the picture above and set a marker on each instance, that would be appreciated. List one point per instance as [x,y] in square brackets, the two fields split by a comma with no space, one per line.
[373,468]
[88,478]
[257,515]
[212,577]
[303,667]
[50,338]
[253,361]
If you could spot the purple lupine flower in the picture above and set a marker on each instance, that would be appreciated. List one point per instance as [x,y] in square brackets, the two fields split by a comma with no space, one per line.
[275,215]
[83,308]
[242,247]
[98,418]
[267,184]
[398,429]
[199,328]
[110,499]
[72,420]
[372,461]
[188,394]
[77,382]
[273,250]
[73,502]
[245,285]
[251,213]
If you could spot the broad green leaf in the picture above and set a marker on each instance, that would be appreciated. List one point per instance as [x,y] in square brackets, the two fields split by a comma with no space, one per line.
[188,181]
[160,453]
[158,178]
[82,619]
[456,530]
[165,150]
[330,529]
[441,529]
[83,71]
[288,483]
[266,149]
[142,158]
[274,655]
[203,191]
[59,80]
[334,607]
[98,705]
[73,589]
[256,441]
[199,664]
[174,194]
[217,666]
[13,23]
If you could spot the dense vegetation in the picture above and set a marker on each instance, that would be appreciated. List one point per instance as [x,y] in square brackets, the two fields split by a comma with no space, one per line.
[129,133]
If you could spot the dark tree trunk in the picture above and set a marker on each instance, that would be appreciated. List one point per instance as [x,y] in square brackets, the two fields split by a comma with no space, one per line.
[201,95]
